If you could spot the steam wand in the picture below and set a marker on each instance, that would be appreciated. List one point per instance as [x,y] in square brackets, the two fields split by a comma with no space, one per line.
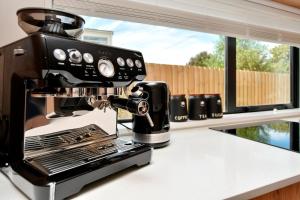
[136,103]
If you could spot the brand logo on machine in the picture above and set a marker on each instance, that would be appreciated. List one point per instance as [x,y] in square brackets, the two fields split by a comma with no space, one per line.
[180,117]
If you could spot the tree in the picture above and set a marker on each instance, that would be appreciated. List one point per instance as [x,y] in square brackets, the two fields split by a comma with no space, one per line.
[200,59]
[280,60]
[212,60]
[251,55]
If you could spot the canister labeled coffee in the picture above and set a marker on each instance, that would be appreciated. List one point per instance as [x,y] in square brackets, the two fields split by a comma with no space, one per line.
[214,106]
[197,107]
[178,108]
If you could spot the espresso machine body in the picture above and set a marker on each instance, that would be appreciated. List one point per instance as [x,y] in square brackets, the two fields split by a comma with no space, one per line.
[158,98]
[52,156]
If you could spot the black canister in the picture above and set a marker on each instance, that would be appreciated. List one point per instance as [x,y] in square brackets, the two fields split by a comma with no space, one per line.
[214,106]
[178,108]
[197,107]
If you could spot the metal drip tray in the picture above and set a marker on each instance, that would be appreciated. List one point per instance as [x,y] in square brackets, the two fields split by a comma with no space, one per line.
[62,151]
[63,140]
[62,161]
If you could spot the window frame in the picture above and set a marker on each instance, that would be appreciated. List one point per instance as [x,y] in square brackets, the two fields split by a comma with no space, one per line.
[230,82]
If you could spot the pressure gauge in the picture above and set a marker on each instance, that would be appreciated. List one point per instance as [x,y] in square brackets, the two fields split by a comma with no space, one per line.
[106,68]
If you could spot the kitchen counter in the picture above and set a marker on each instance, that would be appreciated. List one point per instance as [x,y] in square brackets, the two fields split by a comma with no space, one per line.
[200,163]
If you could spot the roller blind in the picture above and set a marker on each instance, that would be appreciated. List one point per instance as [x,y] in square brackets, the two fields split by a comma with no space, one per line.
[250,19]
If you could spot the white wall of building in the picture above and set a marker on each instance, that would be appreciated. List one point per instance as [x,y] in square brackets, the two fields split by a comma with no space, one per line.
[9,29]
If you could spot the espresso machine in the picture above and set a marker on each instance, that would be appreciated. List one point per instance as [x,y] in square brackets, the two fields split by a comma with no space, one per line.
[58,107]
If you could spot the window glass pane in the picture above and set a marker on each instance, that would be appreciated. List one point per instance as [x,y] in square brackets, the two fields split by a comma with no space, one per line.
[263,73]
[190,62]
[99,40]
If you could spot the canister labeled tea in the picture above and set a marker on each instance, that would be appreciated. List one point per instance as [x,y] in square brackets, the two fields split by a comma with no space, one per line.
[197,107]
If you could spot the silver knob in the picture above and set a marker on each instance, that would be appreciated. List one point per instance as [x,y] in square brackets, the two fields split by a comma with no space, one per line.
[106,68]
[129,62]
[138,63]
[88,58]
[120,61]
[59,54]
[75,56]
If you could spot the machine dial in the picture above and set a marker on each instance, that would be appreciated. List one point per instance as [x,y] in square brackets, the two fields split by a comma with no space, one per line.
[106,68]
[75,56]
[129,62]
[59,54]
[88,58]
[138,63]
[120,61]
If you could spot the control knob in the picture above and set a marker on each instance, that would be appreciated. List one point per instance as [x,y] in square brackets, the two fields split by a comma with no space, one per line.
[138,63]
[120,61]
[129,62]
[88,58]
[59,54]
[75,56]
[106,68]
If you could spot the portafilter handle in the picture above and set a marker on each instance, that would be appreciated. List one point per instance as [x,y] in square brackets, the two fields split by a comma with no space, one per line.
[136,106]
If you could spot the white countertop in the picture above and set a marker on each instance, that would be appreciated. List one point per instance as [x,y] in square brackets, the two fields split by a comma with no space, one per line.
[199,164]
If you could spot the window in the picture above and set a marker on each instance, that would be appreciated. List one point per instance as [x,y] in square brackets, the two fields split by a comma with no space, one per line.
[262,73]
[99,40]
[97,36]
[250,75]
[190,62]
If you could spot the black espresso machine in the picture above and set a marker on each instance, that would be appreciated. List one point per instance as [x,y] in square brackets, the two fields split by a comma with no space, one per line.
[58,128]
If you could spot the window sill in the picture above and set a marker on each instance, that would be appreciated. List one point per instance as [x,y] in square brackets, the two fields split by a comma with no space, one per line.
[228,119]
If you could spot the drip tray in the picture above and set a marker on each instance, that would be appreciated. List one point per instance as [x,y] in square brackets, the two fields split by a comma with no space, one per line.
[59,152]
[63,161]
[37,145]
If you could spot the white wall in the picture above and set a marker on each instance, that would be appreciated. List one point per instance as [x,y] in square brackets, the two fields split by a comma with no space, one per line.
[9,29]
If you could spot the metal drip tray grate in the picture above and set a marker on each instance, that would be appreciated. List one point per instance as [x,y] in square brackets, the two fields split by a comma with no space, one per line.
[53,141]
[37,143]
[62,151]
[55,163]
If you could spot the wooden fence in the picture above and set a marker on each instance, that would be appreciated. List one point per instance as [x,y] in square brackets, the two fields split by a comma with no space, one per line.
[253,88]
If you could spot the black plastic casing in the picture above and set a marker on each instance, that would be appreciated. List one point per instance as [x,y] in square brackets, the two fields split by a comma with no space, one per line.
[158,100]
